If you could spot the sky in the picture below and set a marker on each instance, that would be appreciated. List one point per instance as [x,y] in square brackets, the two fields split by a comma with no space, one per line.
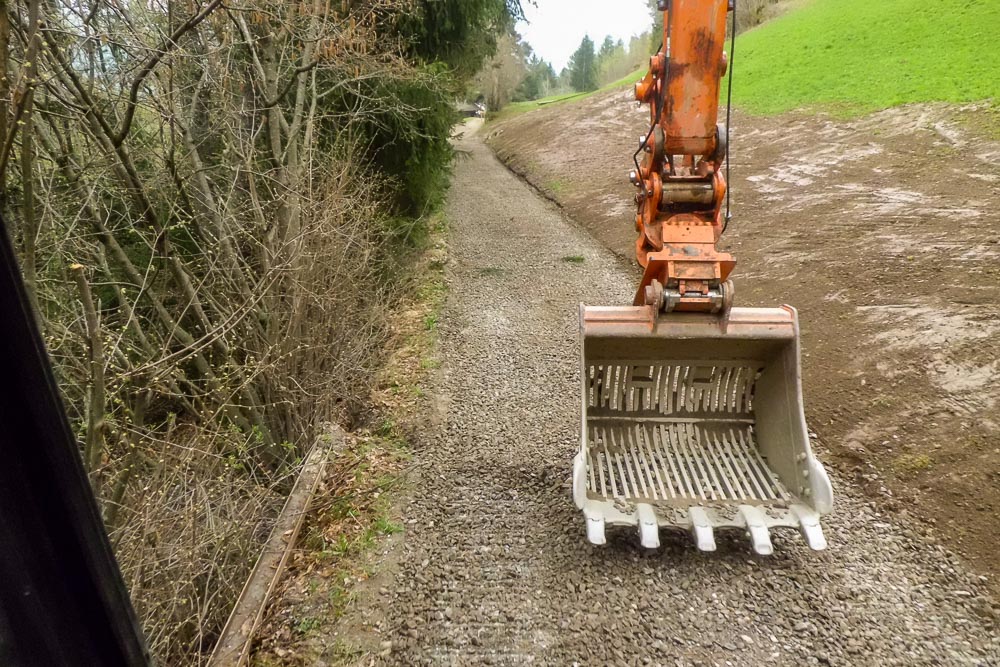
[555,28]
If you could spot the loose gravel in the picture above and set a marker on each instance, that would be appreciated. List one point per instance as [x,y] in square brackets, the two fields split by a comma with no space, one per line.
[495,568]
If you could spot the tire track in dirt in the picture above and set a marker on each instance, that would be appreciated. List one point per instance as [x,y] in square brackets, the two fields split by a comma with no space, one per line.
[495,568]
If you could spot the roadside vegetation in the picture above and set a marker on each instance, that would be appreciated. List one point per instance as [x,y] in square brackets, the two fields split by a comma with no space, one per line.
[355,510]
[855,56]
[217,206]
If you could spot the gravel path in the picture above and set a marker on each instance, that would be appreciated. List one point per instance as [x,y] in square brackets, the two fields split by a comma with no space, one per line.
[495,567]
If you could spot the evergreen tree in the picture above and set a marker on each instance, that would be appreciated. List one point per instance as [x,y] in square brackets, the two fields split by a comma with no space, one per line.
[583,67]
[612,62]
[607,48]
[462,34]
[539,82]
[452,39]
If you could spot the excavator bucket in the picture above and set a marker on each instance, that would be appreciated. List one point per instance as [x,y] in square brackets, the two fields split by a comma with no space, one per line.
[695,421]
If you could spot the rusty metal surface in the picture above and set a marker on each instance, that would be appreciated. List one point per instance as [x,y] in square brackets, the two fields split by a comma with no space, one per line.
[680,183]
[697,32]
[610,324]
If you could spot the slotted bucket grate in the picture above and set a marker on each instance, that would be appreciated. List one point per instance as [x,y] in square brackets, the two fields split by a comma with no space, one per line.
[691,420]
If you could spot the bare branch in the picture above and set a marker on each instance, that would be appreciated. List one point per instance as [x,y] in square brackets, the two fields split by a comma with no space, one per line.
[166,47]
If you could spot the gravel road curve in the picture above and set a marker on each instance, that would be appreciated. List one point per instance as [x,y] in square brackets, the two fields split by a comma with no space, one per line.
[495,568]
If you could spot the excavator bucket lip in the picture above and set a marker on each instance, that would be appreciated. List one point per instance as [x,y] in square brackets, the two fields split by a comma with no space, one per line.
[640,321]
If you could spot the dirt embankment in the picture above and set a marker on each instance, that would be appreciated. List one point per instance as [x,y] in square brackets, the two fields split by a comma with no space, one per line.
[884,233]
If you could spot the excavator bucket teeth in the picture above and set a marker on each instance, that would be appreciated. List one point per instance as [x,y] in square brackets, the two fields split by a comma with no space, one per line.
[695,421]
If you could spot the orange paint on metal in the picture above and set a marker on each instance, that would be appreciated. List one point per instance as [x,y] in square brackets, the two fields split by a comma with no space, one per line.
[697,32]
[683,157]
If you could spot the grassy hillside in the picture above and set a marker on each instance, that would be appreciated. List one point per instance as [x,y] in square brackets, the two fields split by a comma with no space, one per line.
[854,56]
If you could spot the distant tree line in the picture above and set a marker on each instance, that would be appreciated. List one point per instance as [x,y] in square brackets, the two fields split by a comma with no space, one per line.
[517,74]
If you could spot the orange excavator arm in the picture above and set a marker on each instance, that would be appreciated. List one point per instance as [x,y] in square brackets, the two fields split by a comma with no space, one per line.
[681,184]
[692,409]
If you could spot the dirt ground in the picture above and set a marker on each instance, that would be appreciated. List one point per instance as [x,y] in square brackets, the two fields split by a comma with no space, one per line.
[493,566]
[884,232]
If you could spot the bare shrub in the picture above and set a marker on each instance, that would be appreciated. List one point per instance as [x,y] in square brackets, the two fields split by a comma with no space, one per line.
[211,266]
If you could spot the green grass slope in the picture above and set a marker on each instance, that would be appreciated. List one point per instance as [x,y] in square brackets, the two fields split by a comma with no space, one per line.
[855,56]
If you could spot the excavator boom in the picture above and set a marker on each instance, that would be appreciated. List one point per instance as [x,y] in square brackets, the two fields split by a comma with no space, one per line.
[692,409]
[680,181]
